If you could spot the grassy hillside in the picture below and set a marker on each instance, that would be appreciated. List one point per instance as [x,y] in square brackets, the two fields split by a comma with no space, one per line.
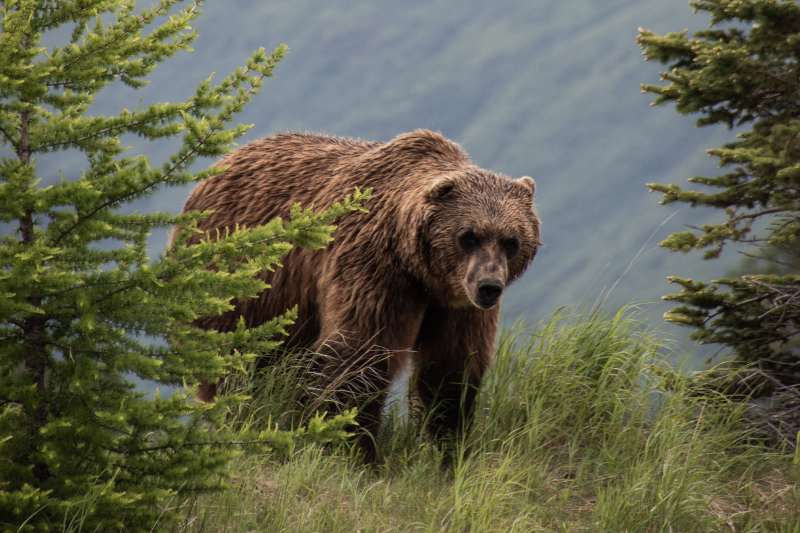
[575,433]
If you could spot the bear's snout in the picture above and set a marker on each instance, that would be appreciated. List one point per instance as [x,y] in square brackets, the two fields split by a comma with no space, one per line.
[489,291]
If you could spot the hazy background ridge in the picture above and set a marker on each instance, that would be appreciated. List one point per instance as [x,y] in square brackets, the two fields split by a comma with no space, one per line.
[548,89]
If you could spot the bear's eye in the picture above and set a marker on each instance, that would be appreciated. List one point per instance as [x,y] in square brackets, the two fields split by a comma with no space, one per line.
[468,241]
[511,247]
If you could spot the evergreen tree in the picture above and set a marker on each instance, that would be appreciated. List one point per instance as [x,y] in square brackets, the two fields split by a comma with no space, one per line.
[79,445]
[743,71]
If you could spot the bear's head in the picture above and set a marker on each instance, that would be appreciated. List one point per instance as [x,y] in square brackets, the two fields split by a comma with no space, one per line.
[480,233]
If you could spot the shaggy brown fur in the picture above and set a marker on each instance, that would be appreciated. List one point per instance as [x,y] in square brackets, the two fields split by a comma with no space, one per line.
[417,279]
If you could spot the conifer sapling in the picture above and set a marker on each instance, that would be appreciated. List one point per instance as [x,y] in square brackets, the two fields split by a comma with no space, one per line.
[82,306]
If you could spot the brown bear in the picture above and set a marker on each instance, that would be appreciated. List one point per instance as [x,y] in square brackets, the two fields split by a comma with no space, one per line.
[416,279]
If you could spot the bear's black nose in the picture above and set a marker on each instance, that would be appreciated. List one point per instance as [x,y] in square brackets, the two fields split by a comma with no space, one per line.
[489,290]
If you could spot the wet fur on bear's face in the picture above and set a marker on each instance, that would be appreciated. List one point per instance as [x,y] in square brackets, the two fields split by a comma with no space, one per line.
[480,234]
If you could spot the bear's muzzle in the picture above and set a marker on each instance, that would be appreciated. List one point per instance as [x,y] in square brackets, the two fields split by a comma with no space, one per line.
[489,292]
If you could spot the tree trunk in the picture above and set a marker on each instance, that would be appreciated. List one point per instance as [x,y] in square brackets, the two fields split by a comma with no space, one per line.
[33,327]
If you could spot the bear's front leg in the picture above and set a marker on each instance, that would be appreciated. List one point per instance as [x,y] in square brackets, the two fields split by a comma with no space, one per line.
[355,373]
[453,352]
[365,338]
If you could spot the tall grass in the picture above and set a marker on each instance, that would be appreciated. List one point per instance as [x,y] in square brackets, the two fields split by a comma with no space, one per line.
[573,433]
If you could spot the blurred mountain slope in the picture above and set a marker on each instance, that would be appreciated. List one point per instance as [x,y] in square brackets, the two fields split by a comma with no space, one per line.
[548,89]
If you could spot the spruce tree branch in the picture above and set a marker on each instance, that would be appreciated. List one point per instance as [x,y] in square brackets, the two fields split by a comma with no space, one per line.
[82,286]
[177,164]
[104,131]
[140,24]
[161,277]
[134,192]
[753,216]
[57,84]
[165,176]
[101,207]
[57,22]
[130,284]
[242,98]
[71,349]
[773,76]
[109,75]
[8,34]
[772,259]
[8,136]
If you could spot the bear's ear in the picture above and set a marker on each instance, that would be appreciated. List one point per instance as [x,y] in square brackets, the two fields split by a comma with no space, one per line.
[528,183]
[440,188]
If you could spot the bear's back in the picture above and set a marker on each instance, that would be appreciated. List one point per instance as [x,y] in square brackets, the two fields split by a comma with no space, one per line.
[266,177]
